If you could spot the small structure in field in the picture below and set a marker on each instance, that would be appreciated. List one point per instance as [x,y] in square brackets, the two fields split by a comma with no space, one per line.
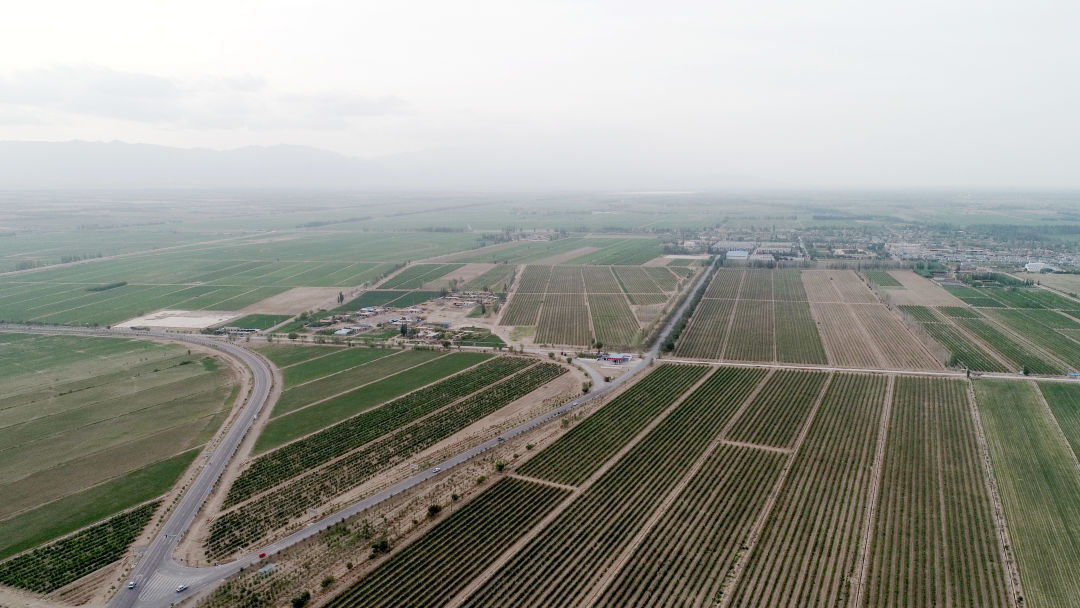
[615,358]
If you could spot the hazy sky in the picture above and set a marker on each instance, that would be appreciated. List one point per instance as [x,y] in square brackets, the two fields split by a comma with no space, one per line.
[802,93]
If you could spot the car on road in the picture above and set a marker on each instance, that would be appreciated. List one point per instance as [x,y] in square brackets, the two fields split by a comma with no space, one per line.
[436,469]
[182,588]
[131,584]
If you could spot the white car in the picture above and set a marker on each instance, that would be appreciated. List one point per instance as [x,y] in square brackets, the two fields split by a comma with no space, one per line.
[131,584]
[181,588]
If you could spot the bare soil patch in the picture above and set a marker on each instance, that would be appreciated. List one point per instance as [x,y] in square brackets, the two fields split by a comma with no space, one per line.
[565,257]
[297,300]
[180,319]
[919,291]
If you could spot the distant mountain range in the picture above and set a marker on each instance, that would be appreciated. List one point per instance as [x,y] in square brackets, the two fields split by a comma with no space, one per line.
[84,164]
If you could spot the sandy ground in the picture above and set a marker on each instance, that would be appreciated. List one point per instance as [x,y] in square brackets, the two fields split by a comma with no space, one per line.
[297,300]
[181,319]
[464,274]
[918,291]
[565,257]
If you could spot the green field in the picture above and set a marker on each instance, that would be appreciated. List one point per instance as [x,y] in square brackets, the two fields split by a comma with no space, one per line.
[91,426]
[356,389]
[1039,483]
[258,321]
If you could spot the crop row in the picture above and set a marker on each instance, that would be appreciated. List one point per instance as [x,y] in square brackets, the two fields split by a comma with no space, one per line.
[566,279]
[1007,346]
[48,568]
[1034,329]
[415,276]
[564,319]
[962,351]
[842,336]
[752,335]
[523,309]
[797,338]
[787,285]
[634,279]
[599,279]
[934,542]
[251,521]
[534,279]
[725,284]
[1038,482]
[613,320]
[897,344]
[663,277]
[444,560]
[560,567]
[780,409]
[757,285]
[882,278]
[585,447]
[683,561]
[294,458]
[922,314]
[805,555]
[703,337]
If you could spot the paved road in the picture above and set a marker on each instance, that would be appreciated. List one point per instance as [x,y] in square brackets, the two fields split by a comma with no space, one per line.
[157,575]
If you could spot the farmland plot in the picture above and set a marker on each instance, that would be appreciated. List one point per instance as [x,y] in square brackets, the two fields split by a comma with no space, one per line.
[819,286]
[882,278]
[91,426]
[777,413]
[934,541]
[663,277]
[1064,402]
[613,320]
[683,561]
[635,279]
[564,319]
[757,285]
[788,285]
[900,347]
[416,275]
[298,456]
[563,565]
[534,279]
[251,520]
[600,279]
[565,280]
[752,336]
[844,338]
[1038,481]
[725,284]
[703,338]
[807,549]
[336,397]
[523,309]
[580,452]
[1008,347]
[480,530]
[797,338]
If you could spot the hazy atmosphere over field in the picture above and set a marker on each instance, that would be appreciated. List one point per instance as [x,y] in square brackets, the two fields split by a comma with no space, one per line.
[564,94]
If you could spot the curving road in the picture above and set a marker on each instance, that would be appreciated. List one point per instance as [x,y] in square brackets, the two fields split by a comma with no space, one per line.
[157,575]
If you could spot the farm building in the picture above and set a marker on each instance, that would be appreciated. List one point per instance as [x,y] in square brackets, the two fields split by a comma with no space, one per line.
[1038,267]
[615,358]
[738,255]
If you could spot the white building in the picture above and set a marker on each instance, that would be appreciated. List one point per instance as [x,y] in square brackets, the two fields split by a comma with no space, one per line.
[1038,267]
